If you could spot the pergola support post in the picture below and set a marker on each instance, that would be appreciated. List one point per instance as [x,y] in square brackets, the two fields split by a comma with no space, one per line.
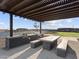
[11,25]
[40,27]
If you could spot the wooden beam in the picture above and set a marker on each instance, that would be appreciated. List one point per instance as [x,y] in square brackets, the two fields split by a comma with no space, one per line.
[12,3]
[47,10]
[58,11]
[36,5]
[1,1]
[43,7]
[24,3]
[59,15]
[28,8]
[5,1]
[18,5]
[7,4]
[62,11]
[63,15]
[11,25]
[2,4]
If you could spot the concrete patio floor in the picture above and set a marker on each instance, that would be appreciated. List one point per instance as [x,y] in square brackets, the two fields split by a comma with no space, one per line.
[26,52]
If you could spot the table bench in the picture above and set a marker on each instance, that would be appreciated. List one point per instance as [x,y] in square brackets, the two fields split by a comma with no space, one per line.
[62,48]
[33,37]
[35,43]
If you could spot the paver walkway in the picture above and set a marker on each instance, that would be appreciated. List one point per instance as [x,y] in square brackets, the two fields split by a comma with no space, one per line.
[25,52]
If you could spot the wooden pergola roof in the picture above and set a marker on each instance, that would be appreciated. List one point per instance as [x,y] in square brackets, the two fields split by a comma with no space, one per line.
[41,10]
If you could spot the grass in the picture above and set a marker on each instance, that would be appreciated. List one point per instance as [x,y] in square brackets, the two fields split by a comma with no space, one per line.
[66,34]
[69,34]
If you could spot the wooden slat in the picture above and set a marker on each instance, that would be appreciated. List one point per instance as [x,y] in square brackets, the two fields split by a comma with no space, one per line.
[61,11]
[41,7]
[60,15]
[47,10]
[28,8]
[1,1]
[52,5]
[2,4]
[36,5]
[58,10]
[24,3]
[64,16]
[67,12]
[10,3]
[57,17]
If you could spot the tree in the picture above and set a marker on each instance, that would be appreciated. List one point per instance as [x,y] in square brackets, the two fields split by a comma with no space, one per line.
[36,25]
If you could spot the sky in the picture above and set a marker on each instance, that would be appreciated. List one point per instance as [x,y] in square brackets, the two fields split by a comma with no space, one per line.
[19,22]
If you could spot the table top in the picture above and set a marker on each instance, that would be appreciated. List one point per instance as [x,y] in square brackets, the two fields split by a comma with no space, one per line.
[50,38]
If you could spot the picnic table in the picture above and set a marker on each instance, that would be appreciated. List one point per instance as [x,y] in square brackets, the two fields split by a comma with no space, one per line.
[49,42]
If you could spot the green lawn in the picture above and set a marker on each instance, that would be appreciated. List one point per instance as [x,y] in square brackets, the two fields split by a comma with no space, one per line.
[67,34]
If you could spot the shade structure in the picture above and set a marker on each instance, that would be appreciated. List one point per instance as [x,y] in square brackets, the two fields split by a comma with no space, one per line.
[41,10]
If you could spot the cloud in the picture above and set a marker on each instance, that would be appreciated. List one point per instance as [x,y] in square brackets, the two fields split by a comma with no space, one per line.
[55,21]
[69,20]
[1,23]
[1,27]
[54,24]
[59,23]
